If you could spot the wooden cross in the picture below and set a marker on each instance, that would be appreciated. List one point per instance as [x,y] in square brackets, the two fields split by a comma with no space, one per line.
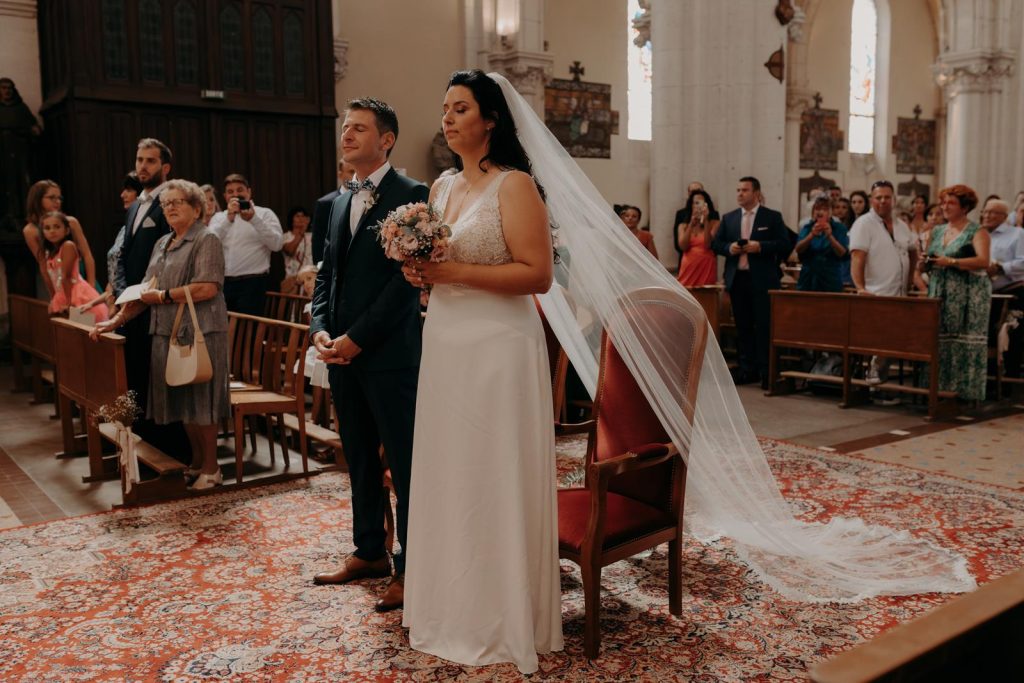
[576,70]
[917,111]
[817,100]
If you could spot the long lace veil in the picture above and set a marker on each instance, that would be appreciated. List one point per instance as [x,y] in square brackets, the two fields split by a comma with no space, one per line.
[730,490]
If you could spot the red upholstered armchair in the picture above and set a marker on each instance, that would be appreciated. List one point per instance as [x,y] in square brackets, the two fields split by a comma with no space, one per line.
[635,477]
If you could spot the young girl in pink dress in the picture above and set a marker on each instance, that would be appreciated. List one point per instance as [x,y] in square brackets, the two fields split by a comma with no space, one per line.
[67,288]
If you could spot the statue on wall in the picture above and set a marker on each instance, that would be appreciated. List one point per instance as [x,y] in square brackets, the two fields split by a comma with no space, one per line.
[17,129]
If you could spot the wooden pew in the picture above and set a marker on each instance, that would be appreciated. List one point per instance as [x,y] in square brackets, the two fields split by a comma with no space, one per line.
[287,307]
[903,328]
[92,374]
[31,333]
[976,637]
[710,299]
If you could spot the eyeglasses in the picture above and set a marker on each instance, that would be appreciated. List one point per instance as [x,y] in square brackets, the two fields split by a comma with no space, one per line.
[880,183]
[168,203]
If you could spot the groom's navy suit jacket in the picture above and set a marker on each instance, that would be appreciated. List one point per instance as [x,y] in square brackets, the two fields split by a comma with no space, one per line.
[362,293]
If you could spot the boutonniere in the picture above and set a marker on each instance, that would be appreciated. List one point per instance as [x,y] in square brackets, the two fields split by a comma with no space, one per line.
[371,201]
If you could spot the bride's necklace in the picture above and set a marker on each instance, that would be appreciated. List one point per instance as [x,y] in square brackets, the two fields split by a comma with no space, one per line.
[462,200]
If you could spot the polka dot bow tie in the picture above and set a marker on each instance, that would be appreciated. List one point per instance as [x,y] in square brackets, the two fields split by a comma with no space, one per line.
[356,186]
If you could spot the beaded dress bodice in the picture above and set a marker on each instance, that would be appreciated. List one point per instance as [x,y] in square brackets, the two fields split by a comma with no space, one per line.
[476,235]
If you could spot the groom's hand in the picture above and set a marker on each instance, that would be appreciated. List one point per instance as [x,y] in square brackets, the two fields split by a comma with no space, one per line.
[347,349]
[325,347]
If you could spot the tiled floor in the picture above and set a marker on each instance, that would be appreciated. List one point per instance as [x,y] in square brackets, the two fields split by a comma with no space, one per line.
[22,497]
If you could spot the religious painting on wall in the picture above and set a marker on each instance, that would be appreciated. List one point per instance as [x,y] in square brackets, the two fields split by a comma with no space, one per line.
[820,138]
[914,145]
[580,115]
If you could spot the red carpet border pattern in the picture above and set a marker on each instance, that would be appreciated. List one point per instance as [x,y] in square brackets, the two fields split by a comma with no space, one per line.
[219,588]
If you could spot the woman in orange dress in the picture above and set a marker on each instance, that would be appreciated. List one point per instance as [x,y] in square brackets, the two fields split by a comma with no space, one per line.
[630,216]
[699,265]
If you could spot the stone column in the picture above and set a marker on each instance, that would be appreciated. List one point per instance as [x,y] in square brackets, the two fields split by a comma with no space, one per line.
[799,97]
[975,70]
[517,47]
[718,113]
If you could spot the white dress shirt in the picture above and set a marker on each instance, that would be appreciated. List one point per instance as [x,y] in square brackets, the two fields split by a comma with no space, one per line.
[359,199]
[248,244]
[146,199]
[1007,248]
[887,261]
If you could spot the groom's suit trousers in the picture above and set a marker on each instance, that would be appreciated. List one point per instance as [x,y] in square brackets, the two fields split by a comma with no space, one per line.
[376,408]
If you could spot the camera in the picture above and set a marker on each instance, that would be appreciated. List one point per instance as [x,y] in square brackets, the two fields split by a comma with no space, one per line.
[244,205]
[741,242]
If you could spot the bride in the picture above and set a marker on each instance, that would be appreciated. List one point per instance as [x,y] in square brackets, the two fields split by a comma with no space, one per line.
[482,580]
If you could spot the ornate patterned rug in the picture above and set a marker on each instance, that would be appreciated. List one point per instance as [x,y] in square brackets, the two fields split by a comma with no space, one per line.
[219,588]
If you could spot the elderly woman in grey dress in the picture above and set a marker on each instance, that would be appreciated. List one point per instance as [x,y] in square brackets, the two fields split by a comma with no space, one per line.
[190,256]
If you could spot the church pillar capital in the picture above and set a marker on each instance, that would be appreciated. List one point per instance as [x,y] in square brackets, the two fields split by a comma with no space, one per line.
[340,58]
[798,100]
[973,71]
[528,72]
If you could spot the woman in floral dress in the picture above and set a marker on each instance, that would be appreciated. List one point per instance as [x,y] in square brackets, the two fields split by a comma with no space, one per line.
[958,254]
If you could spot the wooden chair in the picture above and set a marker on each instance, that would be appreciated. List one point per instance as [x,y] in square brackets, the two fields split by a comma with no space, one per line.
[283,353]
[558,363]
[635,476]
[288,307]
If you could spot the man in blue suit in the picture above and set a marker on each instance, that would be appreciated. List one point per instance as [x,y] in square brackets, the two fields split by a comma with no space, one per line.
[755,240]
[366,326]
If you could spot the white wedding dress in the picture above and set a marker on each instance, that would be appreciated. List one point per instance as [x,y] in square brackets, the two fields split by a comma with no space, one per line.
[482,578]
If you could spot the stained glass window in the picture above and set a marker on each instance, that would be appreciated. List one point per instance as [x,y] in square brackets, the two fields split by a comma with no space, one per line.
[186,43]
[294,57]
[115,40]
[263,50]
[863,55]
[231,46]
[639,76]
[151,40]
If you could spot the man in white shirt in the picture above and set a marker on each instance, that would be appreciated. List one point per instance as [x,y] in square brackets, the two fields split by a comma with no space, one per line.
[882,248]
[250,234]
[883,255]
[1006,268]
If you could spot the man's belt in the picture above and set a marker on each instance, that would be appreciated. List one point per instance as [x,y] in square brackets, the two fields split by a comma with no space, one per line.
[237,278]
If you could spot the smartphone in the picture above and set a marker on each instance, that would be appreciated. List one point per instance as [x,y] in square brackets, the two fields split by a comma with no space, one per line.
[741,242]
[244,204]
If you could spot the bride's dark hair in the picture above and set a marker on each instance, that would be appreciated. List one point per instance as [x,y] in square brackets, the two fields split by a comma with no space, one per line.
[504,151]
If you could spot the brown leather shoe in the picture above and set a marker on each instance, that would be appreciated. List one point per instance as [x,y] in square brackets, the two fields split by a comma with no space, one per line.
[393,596]
[354,569]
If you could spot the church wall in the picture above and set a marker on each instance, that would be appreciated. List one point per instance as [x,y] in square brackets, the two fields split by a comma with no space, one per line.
[912,51]
[595,33]
[19,54]
[403,53]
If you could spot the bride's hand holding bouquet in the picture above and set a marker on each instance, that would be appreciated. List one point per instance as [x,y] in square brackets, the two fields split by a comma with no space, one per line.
[416,235]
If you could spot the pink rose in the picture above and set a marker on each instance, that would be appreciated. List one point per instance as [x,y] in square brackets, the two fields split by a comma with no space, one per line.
[409,243]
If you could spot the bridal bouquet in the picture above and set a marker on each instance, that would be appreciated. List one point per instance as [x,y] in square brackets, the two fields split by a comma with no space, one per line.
[414,231]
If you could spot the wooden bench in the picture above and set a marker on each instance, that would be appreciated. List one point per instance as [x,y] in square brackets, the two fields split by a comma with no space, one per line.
[287,307]
[32,334]
[92,374]
[710,299]
[904,328]
[976,637]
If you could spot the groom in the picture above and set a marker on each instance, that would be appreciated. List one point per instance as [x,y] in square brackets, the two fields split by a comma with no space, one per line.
[366,326]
